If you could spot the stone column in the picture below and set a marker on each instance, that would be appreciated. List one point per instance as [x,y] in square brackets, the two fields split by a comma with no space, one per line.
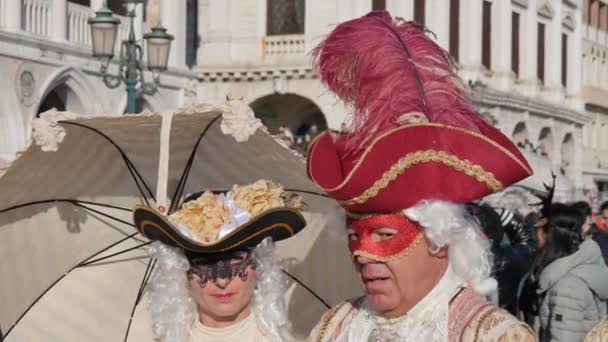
[528,49]
[501,44]
[470,39]
[59,20]
[553,55]
[214,21]
[401,8]
[13,15]
[574,89]
[439,21]
[173,18]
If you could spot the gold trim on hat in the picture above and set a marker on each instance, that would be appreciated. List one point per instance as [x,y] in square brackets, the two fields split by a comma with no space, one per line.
[424,124]
[236,244]
[419,157]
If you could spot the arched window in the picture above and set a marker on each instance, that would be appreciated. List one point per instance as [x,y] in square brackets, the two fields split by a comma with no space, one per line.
[117,6]
[378,5]
[545,142]
[419,11]
[454,28]
[285,17]
[486,35]
[520,136]
[567,155]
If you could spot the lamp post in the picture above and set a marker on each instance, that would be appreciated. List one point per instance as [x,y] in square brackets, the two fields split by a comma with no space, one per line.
[104,28]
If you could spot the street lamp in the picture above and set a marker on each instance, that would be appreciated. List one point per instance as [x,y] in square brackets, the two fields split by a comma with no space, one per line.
[104,27]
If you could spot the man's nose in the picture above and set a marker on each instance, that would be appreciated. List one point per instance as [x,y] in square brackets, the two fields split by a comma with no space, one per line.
[363,260]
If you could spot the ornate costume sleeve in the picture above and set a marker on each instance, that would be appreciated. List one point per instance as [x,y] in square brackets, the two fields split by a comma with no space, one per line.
[493,324]
[326,328]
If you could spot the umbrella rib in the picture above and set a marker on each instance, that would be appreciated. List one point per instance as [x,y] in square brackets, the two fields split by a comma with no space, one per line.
[114,254]
[62,200]
[103,214]
[307,288]
[61,278]
[122,153]
[144,282]
[142,290]
[182,181]
[136,180]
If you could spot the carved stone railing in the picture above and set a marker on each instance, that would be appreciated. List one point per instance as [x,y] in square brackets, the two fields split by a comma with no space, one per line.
[284,47]
[37,16]
[79,32]
[78,28]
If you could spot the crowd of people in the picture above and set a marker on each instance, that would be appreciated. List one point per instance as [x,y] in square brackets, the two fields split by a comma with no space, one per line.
[551,266]
[298,143]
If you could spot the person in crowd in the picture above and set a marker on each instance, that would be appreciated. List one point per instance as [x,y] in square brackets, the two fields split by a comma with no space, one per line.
[415,153]
[591,229]
[602,218]
[217,278]
[513,258]
[570,275]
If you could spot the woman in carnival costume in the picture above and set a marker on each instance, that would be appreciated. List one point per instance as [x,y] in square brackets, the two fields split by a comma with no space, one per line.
[217,278]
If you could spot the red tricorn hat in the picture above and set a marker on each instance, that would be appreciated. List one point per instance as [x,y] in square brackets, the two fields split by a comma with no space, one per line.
[415,134]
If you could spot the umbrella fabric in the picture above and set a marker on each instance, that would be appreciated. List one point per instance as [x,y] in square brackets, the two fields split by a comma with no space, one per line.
[61,208]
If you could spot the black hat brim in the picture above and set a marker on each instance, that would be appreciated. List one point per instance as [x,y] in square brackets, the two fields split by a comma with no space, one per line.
[279,224]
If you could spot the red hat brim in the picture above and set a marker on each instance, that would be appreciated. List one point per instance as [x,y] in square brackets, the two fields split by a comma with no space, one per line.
[417,162]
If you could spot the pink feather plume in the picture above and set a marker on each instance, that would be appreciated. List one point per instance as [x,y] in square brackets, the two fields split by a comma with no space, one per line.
[385,68]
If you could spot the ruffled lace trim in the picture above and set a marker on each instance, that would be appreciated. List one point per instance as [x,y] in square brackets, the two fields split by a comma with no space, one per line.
[46,131]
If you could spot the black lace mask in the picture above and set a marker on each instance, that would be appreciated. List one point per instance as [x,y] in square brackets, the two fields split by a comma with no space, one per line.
[225,267]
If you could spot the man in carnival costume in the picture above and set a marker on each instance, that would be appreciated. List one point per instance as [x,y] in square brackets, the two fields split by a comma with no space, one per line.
[415,153]
[216,277]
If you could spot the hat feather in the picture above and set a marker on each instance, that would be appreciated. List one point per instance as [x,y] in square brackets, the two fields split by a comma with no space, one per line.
[386,68]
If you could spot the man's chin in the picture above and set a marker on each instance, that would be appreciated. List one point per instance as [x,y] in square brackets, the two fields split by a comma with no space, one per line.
[379,302]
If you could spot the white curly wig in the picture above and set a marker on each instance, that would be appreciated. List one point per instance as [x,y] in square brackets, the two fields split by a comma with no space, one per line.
[449,225]
[173,310]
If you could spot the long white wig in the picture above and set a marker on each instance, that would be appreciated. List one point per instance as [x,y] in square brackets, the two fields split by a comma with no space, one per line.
[449,225]
[173,310]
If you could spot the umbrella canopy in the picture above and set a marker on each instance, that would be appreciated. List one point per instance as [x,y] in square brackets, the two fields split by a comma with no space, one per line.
[70,259]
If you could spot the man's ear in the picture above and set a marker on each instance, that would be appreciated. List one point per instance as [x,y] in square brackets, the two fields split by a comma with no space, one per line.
[442,253]
[438,252]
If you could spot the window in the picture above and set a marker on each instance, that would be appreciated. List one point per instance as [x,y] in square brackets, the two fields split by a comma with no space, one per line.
[285,17]
[603,17]
[594,11]
[378,5]
[192,38]
[540,56]
[515,43]
[585,11]
[486,35]
[81,2]
[454,28]
[419,11]
[117,6]
[564,59]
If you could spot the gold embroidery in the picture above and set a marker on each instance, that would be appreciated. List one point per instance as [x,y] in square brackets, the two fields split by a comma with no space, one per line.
[482,318]
[496,320]
[326,320]
[427,124]
[419,157]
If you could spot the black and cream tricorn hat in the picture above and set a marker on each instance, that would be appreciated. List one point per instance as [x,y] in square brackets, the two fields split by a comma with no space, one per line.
[214,222]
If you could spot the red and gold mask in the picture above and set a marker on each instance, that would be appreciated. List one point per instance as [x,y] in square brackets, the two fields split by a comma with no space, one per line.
[408,235]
